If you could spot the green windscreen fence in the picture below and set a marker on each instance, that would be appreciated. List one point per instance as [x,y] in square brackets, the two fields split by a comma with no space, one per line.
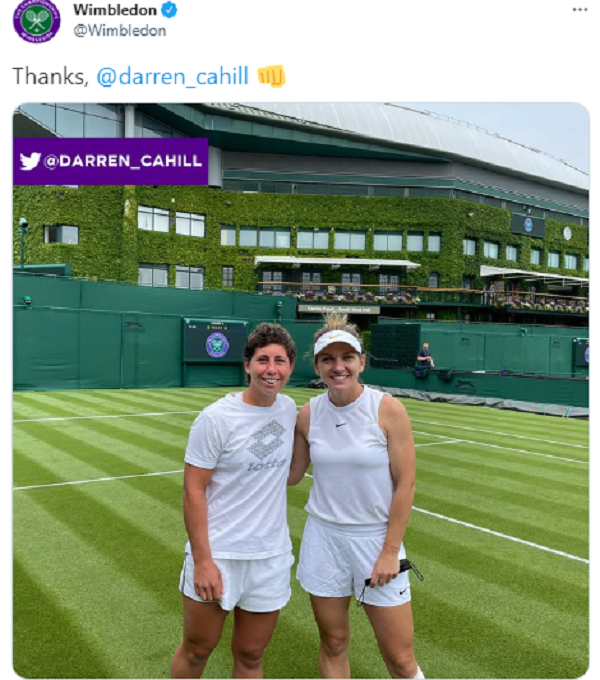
[492,348]
[395,345]
[118,297]
[75,349]
[84,334]
[79,334]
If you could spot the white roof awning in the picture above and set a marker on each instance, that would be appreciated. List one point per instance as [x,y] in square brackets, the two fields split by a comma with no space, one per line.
[503,272]
[332,261]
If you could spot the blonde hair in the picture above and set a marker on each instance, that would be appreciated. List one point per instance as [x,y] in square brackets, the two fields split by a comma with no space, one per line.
[334,321]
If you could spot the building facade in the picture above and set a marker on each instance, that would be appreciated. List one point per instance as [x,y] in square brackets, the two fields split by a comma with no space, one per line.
[361,203]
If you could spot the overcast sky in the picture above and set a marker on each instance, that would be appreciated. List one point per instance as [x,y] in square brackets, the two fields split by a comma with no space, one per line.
[562,130]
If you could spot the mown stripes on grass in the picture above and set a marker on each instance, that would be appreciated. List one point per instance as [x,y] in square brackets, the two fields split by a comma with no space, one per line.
[102,560]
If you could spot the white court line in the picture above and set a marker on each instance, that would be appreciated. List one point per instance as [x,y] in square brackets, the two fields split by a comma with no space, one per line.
[501,434]
[415,420]
[504,448]
[121,415]
[426,512]
[169,413]
[98,479]
[560,553]
[447,441]
[509,538]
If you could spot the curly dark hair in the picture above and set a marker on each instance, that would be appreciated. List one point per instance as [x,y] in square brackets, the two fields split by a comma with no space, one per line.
[270,334]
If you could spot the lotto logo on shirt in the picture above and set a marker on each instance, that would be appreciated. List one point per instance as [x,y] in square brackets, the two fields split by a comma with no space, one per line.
[255,467]
[267,440]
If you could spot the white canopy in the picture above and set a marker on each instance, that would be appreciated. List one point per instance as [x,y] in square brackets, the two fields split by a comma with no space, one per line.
[487,271]
[332,261]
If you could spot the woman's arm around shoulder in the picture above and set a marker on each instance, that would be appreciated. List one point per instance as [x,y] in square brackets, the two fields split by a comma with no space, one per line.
[301,456]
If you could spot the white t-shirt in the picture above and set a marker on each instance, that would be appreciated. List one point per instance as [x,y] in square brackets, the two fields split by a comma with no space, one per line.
[250,449]
[352,482]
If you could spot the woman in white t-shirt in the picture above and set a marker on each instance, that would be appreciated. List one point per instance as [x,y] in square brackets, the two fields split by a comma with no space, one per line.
[239,555]
[361,447]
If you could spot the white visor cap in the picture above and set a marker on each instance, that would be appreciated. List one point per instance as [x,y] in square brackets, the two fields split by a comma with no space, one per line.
[337,336]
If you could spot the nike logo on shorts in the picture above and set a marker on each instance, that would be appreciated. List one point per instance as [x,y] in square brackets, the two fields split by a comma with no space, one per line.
[340,424]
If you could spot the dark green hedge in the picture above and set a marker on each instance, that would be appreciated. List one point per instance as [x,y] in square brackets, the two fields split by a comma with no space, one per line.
[111,246]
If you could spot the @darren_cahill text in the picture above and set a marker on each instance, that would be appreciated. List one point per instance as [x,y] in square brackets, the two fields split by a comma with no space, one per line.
[109,77]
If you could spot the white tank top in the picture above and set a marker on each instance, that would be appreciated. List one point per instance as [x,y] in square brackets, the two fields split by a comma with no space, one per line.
[352,480]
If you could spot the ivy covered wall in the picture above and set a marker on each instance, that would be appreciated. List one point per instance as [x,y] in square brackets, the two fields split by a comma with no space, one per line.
[111,245]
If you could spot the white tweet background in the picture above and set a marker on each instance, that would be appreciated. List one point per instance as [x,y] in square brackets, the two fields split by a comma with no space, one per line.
[424,50]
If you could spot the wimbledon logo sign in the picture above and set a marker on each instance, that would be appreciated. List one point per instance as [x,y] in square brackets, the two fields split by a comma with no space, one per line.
[36,21]
[217,345]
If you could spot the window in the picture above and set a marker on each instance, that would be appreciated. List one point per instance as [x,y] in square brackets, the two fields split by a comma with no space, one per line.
[153,219]
[227,236]
[227,277]
[61,234]
[434,280]
[430,316]
[189,277]
[309,279]
[276,237]
[415,242]
[353,278]
[536,256]
[511,253]
[468,283]
[586,264]
[490,249]
[554,258]
[570,261]
[469,245]
[313,238]
[272,280]
[249,236]
[387,240]
[434,243]
[189,224]
[349,240]
[153,275]
[388,283]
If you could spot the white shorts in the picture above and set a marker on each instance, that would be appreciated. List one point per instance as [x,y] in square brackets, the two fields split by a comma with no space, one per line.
[253,585]
[335,561]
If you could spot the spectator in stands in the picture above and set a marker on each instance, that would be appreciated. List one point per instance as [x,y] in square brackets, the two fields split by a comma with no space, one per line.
[424,358]
[239,552]
[360,443]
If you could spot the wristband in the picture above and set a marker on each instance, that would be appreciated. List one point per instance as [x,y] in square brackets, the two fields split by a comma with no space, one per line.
[389,545]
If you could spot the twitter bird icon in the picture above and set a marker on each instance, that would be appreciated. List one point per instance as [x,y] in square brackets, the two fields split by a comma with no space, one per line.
[30,162]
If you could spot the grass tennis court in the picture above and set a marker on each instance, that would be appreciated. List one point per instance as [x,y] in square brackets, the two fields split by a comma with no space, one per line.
[99,538]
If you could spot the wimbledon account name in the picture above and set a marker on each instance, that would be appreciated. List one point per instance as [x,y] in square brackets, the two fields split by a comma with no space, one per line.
[124,161]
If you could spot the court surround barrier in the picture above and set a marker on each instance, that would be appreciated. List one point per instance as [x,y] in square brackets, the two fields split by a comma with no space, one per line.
[493,348]
[87,335]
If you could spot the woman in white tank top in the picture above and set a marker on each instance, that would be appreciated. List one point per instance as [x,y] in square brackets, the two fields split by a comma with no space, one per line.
[361,446]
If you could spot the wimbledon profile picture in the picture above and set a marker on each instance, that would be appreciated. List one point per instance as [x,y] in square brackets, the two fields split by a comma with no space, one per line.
[36,21]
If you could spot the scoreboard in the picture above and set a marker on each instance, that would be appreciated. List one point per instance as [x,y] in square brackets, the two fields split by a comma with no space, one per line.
[206,341]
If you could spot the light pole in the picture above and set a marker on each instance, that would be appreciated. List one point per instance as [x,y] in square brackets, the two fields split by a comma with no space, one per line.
[23,224]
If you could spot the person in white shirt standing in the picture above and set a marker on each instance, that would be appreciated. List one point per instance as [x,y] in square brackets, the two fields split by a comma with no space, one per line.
[361,446]
[239,552]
